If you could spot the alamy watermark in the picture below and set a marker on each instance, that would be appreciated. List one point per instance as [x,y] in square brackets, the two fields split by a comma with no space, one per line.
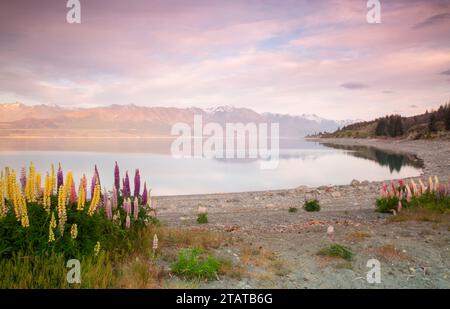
[374,14]
[73,16]
[74,274]
[234,141]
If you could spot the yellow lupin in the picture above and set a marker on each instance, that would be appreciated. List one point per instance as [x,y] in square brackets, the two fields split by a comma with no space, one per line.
[97,248]
[46,201]
[2,195]
[52,225]
[37,185]
[81,197]
[53,180]
[62,213]
[95,200]
[74,231]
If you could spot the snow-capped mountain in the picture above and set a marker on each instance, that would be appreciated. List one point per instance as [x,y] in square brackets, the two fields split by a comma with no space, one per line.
[132,120]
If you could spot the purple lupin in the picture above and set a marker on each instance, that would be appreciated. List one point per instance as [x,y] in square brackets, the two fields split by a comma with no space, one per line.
[137,183]
[116,176]
[145,195]
[126,186]
[59,177]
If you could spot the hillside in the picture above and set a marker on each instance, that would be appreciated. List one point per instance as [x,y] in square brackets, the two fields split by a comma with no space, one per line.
[432,124]
[20,120]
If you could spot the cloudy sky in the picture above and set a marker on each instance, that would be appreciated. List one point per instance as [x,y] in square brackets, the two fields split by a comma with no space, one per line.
[281,56]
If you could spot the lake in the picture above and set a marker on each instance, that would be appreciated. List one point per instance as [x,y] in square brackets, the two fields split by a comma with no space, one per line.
[301,163]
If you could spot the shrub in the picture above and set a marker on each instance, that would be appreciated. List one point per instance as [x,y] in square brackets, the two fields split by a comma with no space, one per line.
[202,218]
[312,205]
[336,250]
[292,209]
[385,205]
[194,264]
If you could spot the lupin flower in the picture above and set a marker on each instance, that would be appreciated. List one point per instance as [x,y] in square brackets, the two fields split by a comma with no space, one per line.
[53,180]
[97,248]
[95,200]
[84,183]
[2,195]
[52,225]
[116,177]
[74,231]
[399,206]
[98,175]
[37,185]
[62,212]
[436,183]
[422,187]
[145,195]
[128,222]
[408,194]
[330,233]
[202,210]
[155,242]
[114,198]
[126,186]
[73,194]
[136,208]
[108,209]
[81,197]
[23,178]
[105,197]
[137,183]
[430,184]
[59,178]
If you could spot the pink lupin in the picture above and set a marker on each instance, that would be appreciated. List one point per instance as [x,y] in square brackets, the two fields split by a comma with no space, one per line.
[399,206]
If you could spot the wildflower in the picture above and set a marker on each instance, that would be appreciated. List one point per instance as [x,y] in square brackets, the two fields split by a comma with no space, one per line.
[52,225]
[81,197]
[60,178]
[105,197]
[53,180]
[2,195]
[137,183]
[430,184]
[136,208]
[108,209]
[145,195]
[30,184]
[23,178]
[401,183]
[74,231]
[62,211]
[408,194]
[84,183]
[97,248]
[330,233]
[399,206]
[46,201]
[95,200]
[116,177]
[97,175]
[69,180]
[126,186]
[422,187]
[155,242]
[127,222]
[37,185]
[436,183]
[202,210]
[73,194]
[114,198]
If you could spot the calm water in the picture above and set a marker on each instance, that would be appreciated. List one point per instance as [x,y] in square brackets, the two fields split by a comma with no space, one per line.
[301,163]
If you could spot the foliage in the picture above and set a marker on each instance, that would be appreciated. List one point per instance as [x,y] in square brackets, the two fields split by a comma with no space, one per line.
[202,218]
[336,250]
[293,209]
[311,206]
[193,263]
[387,204]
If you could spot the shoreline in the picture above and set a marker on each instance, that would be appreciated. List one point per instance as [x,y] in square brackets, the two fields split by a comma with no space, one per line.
[359,194]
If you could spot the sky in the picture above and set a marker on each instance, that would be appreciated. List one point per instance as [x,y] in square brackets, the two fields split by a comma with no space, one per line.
[282,56]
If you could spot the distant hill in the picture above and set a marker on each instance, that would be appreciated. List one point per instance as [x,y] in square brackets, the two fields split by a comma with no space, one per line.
[19,120]
[428,125]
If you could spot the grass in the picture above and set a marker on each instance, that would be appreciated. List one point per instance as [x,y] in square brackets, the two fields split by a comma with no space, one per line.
[311,206]
[336,250]
[390,253]
[293,209]
[359,235]
[195,264]
[202,218]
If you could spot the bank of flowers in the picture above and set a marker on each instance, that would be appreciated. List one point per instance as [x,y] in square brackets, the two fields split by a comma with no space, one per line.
[52,213]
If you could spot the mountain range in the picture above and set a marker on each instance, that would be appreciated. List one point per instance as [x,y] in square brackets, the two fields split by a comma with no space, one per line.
[20,120]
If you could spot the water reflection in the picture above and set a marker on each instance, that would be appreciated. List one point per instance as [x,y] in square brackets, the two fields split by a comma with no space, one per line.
[395,161]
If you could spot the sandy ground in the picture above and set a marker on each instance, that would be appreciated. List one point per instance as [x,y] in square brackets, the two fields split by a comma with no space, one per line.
[412,254]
